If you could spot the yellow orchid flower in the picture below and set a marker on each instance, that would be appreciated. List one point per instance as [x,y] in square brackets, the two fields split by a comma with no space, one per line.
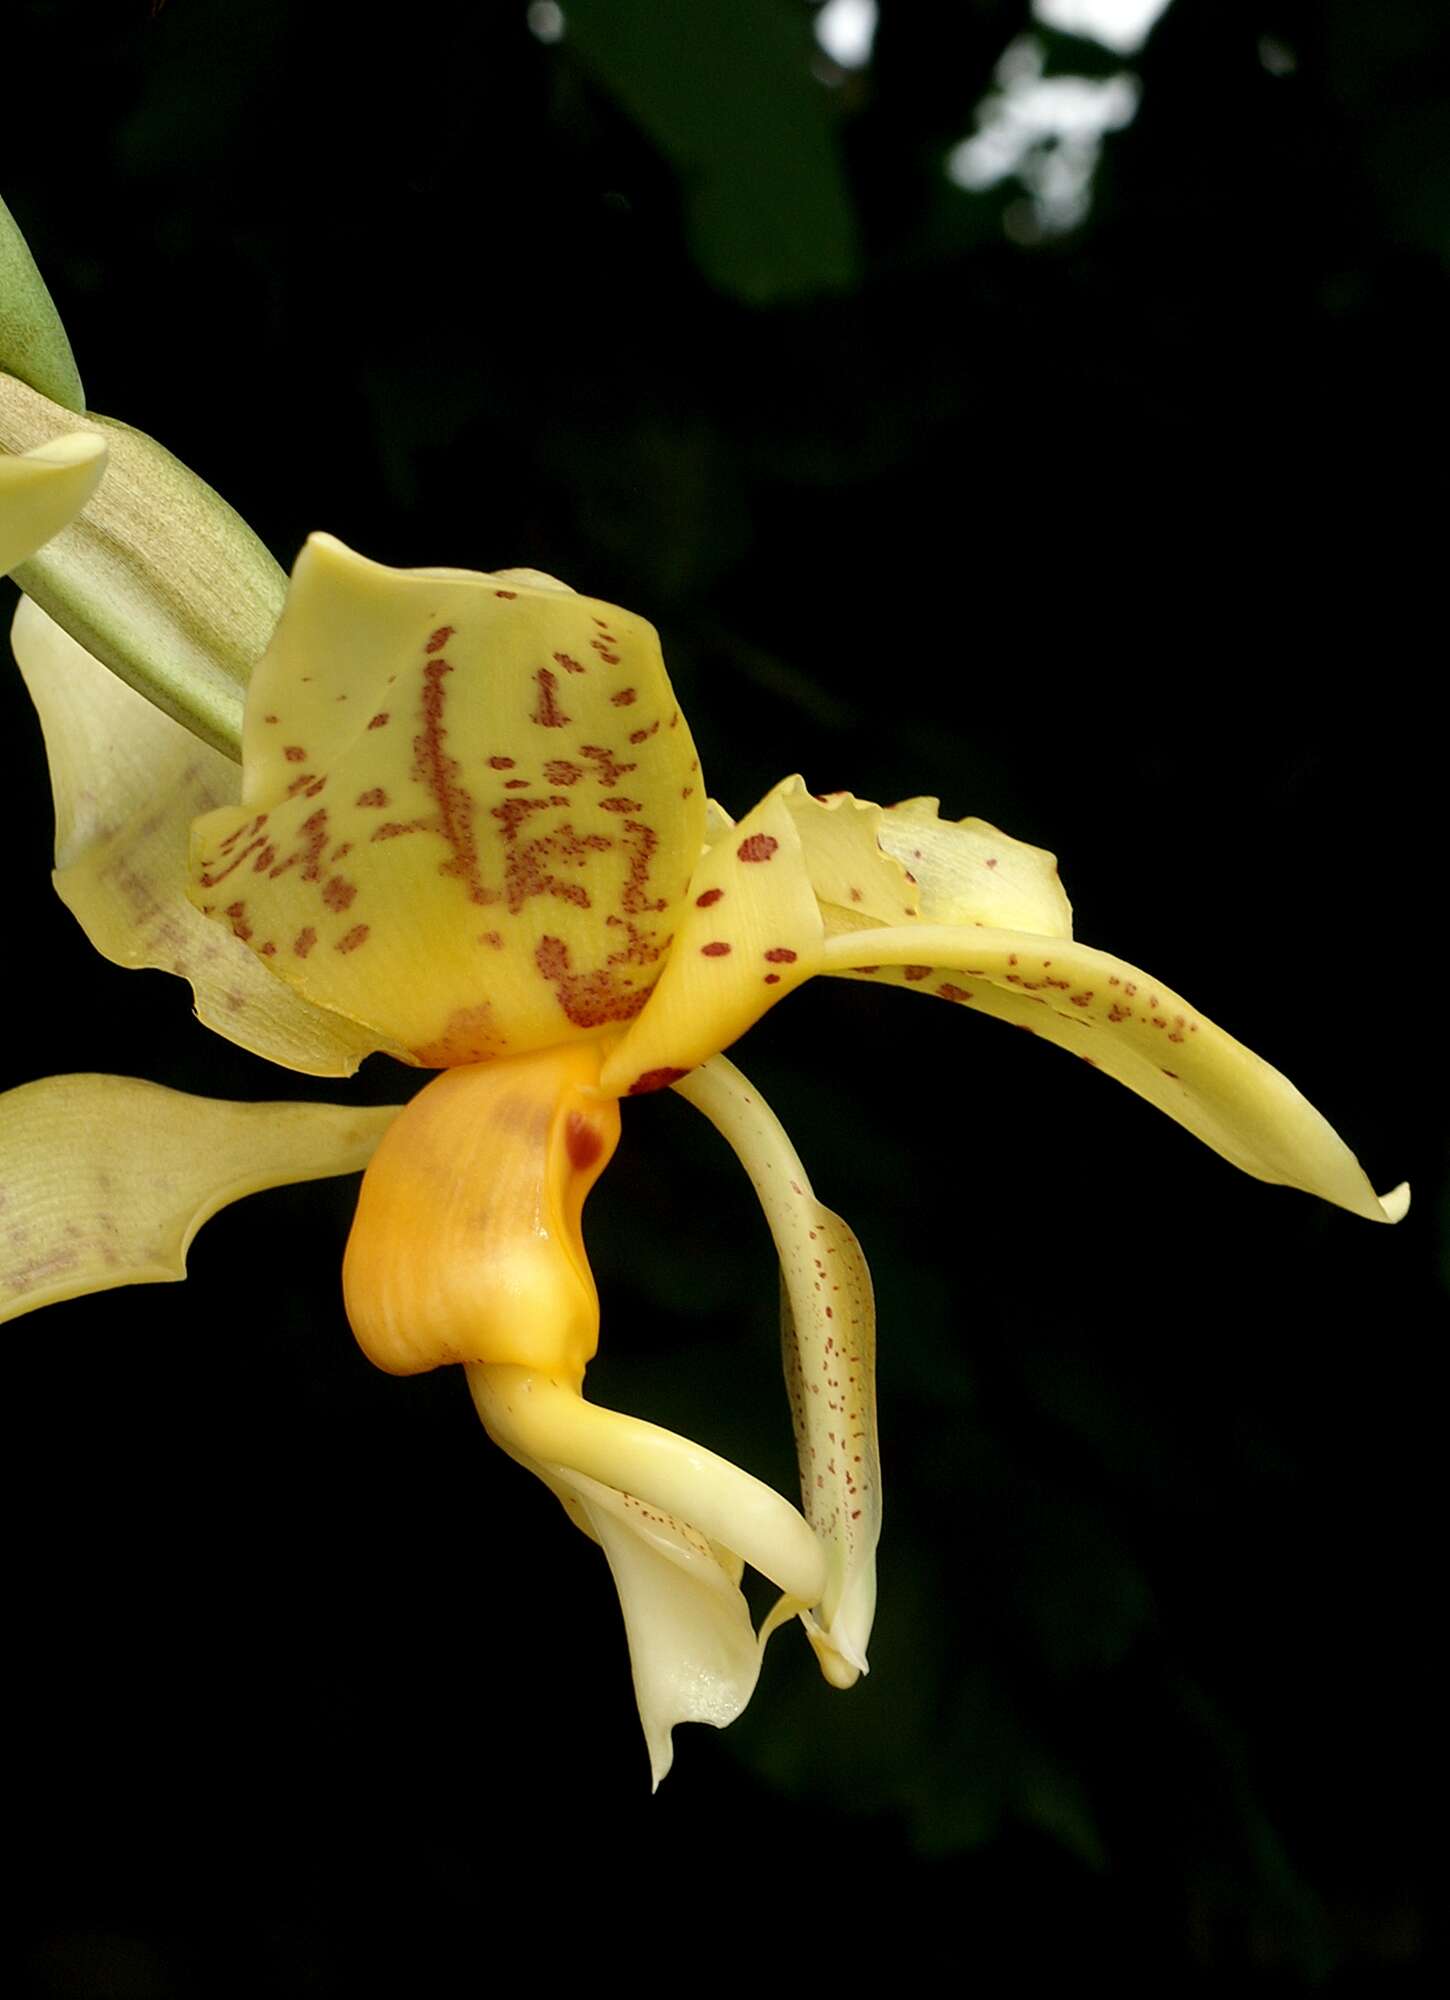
[470,832]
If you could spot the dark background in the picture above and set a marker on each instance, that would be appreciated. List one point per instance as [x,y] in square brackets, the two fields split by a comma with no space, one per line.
[1129,540]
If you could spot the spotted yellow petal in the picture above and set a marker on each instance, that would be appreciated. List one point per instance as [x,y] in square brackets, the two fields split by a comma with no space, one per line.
[1132,1026]
[470,808]
[828,1343]
[105,1180]
[128,781]
[158,578]
[44,488]
[750,932]
[816,882]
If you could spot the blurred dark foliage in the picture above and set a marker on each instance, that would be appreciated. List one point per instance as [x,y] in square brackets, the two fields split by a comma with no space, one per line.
[1129,541]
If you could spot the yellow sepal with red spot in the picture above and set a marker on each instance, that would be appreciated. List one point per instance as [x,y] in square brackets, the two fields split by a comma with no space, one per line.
[470,807]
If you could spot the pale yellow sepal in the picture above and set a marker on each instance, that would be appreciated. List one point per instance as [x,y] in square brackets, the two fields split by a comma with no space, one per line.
[828,1346]
[675,1521]
[693,1653]
[33,343]
[158,578]
[127,782]
[1123,1021]
[44,488]
[104,1180]
[483,775]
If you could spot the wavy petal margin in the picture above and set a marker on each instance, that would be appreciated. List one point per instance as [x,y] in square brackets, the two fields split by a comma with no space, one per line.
[128,781]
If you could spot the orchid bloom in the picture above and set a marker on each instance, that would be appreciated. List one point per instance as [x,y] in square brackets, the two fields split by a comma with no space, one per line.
[469,832]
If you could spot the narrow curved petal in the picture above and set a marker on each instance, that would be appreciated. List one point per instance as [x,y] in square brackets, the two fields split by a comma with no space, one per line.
[676,1524]
[104,1180]
[1138,1030]
[127,782]
[838,885]
[549,1421]
[485,777]
[828,1344]
[693,1650]
[44,488]
[159,579]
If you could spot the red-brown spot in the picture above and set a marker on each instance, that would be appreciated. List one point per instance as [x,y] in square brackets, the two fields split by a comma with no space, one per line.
[707,897]
[559,771]
[1078,999]
[780,954]
[716,950]
[608,771]
[268,950]
[772,979]
[495,938]
[916,972]
[570,666]
[655,1079]
[375,797]
[950,992]
[265,859]
[304,941]
[238,914]
[500,763]
[380,721]
[337,894]
[643,735]
[439,639]
[588,999]
[757,847]
[442,777]
[506,593]
[295,754]
[623,697]
[620,805]
[865,968]
[1173,1073]
[547,712]
[516,784]
[582,1143]
[356,936]
[269,718]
